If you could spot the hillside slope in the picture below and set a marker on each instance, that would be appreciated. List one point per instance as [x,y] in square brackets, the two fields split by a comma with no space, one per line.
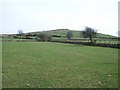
[76,33]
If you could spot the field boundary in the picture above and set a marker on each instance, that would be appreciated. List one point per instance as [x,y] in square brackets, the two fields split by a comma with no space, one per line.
[91,44]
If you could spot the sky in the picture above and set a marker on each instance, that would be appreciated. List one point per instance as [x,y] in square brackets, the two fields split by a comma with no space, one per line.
[39,15]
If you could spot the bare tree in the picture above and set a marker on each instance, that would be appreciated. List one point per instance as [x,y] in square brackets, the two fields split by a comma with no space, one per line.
[20,32]
[69,34]
[89,32]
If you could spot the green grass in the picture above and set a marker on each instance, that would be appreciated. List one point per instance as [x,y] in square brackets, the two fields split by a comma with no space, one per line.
[56,65]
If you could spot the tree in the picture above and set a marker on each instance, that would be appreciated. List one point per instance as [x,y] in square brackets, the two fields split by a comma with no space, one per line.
[20,32]
[89,32]
[69,34]
[49,37]
[44,37]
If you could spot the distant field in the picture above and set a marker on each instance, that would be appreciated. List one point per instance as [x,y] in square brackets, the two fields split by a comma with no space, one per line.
[56,65]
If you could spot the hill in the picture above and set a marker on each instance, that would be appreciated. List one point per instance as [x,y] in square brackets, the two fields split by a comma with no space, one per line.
[76,33]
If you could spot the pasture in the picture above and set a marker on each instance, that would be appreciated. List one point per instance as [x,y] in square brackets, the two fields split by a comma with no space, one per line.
[58,65]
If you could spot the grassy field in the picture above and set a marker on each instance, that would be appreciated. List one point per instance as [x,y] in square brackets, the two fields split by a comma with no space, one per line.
[56,65]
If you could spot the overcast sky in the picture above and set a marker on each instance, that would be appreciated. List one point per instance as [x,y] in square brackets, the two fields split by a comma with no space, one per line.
[38,15]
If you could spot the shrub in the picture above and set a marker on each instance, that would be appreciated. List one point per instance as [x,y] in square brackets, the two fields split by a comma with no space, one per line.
[56,36]
[69,34]
[44,37]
